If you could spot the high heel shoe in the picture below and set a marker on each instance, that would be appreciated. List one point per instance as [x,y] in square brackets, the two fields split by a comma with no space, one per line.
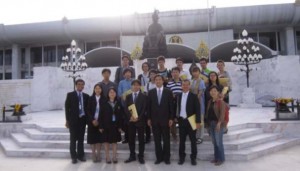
[108,161]
[115,160]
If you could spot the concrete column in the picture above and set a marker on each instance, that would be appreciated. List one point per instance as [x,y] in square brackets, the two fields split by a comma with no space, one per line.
[28,60]
[16,62]
[290,41]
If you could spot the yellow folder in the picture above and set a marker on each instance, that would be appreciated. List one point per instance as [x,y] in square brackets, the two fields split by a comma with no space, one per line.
[133,111]
[192,121]
[225,90]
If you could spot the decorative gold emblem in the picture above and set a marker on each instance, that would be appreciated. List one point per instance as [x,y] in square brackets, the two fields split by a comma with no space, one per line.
[136,53]
[175,39]
[202,51]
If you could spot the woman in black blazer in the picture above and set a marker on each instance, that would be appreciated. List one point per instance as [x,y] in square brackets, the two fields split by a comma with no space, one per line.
[110,123]
[94,136]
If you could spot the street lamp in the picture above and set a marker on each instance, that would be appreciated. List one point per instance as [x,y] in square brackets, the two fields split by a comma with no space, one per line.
[74,62]
[246,53]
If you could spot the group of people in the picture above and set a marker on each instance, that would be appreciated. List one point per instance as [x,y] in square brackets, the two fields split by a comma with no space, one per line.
[163,100]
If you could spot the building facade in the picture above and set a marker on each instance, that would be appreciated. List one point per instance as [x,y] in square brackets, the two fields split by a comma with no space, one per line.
[25,46]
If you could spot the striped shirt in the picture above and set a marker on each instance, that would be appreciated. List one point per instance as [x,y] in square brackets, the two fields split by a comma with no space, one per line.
[175,87]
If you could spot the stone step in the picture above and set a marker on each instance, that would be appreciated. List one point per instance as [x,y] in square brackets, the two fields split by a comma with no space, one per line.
[11,149]
[60,129]
[25,142]
[232,135]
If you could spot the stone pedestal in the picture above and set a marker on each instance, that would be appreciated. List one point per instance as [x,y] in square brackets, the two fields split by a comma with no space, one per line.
[248,99]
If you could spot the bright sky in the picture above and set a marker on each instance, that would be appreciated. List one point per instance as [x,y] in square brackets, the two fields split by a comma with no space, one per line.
[29,11]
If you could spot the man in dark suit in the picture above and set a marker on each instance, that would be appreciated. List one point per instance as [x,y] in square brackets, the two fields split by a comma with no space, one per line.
[187,104]
[160,117]
[76,111]
[136,124]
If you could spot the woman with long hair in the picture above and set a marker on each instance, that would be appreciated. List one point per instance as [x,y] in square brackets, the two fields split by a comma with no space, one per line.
[94,137]
[110,124]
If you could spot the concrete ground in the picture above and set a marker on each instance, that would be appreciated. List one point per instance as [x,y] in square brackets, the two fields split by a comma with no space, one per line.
[288,160]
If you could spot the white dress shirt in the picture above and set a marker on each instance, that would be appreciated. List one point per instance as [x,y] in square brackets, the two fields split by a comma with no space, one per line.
[183,105]
[98,106]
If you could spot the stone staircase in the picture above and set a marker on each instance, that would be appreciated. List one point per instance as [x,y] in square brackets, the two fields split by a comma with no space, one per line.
[243,142]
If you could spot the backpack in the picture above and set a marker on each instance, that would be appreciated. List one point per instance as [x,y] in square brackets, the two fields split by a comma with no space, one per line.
[227,107]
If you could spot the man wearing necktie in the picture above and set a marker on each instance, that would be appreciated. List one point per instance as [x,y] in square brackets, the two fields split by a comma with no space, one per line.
[187,105]
[75,111]
[160,118]
[138,124]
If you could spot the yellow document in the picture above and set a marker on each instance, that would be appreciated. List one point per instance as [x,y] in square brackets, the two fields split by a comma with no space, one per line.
[225,90]
[192,121]
[133,111]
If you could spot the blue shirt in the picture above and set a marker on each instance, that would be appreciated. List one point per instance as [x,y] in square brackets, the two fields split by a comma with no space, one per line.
[195,90]
[124,86]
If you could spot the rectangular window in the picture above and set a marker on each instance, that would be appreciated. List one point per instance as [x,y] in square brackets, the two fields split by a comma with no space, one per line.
[268,39]
[61,51]
[8,76]
[298,41]
[49,54]
[36,55]
[111,43]
[1,58]
[8,57]
[23,56]
[92,45]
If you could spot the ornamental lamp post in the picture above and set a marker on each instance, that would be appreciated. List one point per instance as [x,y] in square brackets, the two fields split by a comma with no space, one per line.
[74,61]
[246,53]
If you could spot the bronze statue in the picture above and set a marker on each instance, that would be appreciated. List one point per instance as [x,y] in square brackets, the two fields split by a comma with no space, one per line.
[155,41]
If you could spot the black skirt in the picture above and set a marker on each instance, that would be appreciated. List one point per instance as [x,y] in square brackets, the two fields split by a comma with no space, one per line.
[111,134]
[94,136]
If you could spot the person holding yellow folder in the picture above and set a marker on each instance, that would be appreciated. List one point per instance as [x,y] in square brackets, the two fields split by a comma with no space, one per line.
[135,107]
[189,119]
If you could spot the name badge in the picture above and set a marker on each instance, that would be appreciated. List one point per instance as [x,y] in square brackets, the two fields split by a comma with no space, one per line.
[113,117]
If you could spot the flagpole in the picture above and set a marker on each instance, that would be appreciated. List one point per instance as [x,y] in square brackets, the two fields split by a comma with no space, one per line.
[208,30]
[121,35]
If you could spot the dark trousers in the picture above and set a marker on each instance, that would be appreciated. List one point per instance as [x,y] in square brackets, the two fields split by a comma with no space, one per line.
[77,132]
[184,130]
[125,130]
[132,130]
[161,132]
[148,132]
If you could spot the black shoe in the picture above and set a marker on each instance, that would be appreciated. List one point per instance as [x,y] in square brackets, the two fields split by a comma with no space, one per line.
[141,160]
[199,141]
[124,142]
[167,162]
[82,159]
[74,161]
[108,161]
[181,161]
[194,162]
[131,159]
[157,162]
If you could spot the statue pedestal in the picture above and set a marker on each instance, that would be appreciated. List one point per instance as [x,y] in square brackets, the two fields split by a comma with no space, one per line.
[248,99]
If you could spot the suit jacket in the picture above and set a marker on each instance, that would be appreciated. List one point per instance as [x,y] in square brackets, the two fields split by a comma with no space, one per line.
[160,114]
[92,104]
[141,107]
[192,106]
[105,119]
[72,107]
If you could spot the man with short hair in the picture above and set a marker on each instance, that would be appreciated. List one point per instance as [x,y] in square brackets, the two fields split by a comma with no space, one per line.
[203,63]
[183,74]
[160,118]
[136,124]
[76,111]
[187,106]
[105,84]
[175,86]
[124,89]
[120,70]
[162,70]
